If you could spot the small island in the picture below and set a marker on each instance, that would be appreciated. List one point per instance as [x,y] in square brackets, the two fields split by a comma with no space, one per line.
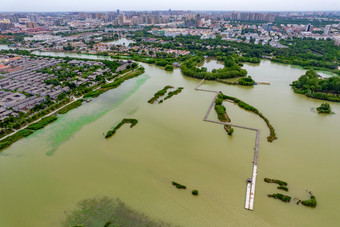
[159,94]
[133,122]
[172,93]
[310,202]
[324,108]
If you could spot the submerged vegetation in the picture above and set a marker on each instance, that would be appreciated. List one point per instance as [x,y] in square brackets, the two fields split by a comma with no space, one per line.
[324,108]
[107,212]
[314,87]
[159,94]
[248,107]
[133,122]
[283,198]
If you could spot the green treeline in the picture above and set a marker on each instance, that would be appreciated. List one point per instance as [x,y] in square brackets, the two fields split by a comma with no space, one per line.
[13,138]
[305,52]
[159,94]
[133,122]
[172,93]
[312,86]
[283,198]
[42,123]
[70,106]
[231,69]
[248,107]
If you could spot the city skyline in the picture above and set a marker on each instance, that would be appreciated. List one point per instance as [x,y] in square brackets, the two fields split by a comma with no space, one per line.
[213,5]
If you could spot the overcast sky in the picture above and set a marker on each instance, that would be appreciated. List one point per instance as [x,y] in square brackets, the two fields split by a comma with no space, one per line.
[223,5]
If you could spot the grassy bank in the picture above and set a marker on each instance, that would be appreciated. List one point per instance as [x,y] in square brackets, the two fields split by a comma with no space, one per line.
[42,123]
[70,107]
[13,138]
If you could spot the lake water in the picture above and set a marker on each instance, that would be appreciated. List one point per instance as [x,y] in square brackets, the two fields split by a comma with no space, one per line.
[46,174]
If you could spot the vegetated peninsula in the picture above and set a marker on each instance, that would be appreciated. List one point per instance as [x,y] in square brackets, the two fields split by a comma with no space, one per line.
[314,87]
[133,122]
[243,81]
[248,107]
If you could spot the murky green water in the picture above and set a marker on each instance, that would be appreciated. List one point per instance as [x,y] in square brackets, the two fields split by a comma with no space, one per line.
[48,173]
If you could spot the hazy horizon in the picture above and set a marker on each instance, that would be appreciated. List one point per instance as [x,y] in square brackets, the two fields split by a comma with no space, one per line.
[152,5]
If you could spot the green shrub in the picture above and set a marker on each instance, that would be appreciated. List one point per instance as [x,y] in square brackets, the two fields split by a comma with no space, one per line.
[179,186]
[281,183]
[311,202]
[283,188]
[169,68]
[283,198]
[159,94]
[194,192]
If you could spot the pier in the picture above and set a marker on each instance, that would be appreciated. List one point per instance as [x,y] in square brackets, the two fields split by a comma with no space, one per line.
[251,182]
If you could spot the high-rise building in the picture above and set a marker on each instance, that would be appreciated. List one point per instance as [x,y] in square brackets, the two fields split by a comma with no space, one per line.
[309,28]
[34,18]
[118,11]
[31,25]
[327,29]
